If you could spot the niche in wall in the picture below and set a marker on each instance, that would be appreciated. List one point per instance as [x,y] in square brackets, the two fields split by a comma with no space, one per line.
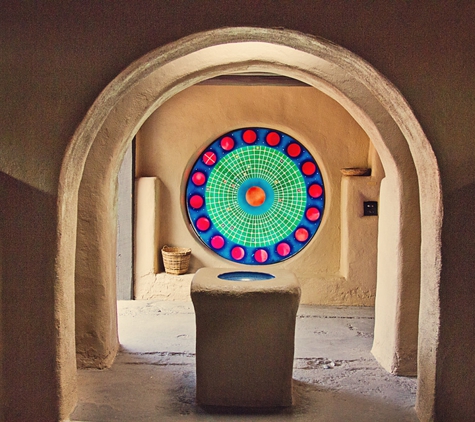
[338,266]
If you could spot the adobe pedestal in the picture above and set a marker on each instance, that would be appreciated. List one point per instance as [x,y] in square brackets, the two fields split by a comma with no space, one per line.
[245,334]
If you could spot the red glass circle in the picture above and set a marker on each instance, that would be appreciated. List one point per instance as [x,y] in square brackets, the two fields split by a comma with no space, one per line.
[255,196]
[209,158]
[227,143]
[273,139]
[237,253]
[196,202]
[301,234]
[249,136]
[309,168]
[198,178]
[315,191]
[261,255]
[283,249]
[294,150]
[313,214]
[217,242]
[203,224]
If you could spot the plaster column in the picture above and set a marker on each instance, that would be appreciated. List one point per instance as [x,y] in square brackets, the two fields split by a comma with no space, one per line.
[146,234]
[96,299]
[398,274]
[359,237]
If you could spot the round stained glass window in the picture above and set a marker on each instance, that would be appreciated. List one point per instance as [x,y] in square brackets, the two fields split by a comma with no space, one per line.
[255,196]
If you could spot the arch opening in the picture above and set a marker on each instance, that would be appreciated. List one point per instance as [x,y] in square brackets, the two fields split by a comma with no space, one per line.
[98,145]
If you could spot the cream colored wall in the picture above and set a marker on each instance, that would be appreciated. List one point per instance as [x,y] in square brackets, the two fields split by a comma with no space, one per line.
[57,59]
[171,138]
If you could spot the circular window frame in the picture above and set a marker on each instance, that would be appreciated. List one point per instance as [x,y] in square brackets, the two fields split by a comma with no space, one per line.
[231,242]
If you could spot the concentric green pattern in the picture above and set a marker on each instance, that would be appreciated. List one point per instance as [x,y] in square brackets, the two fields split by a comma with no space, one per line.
[282,175]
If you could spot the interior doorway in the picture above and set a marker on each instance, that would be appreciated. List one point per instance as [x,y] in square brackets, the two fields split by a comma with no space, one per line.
[371,100]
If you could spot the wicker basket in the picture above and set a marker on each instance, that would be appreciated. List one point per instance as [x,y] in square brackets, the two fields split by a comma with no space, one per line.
[176,260]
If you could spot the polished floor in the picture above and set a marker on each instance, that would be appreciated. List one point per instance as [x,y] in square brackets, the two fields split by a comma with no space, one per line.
[153,378]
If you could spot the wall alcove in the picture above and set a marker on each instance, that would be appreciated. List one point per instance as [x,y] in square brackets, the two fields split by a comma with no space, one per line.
[331,271]
[87,195]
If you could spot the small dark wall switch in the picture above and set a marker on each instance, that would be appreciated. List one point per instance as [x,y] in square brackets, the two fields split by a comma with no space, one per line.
[370,208]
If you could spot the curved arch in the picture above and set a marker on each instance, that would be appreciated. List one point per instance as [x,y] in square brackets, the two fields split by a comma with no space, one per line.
[92,160]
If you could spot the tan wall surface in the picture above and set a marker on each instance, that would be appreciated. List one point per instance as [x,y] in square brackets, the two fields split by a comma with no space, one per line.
[169,141]
[28,359]
[58,56]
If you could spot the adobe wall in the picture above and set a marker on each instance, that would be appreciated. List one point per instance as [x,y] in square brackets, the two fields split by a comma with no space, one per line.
[192,119]
[58,57]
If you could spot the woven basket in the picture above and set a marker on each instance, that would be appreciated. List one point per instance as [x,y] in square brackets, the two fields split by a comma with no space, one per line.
[176,260]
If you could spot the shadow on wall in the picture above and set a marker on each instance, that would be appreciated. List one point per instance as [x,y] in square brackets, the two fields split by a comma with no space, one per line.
[165,197]
[27,311]
[458,306]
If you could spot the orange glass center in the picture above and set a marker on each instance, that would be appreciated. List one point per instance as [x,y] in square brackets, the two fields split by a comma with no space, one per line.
[255,196]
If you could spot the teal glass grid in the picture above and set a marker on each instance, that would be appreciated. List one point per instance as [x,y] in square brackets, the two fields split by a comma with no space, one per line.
[276,169]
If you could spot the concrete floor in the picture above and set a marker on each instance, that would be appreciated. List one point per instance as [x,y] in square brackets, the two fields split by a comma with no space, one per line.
[153,378]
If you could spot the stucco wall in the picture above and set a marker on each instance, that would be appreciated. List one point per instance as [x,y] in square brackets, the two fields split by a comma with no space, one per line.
[169,141]
[58,56]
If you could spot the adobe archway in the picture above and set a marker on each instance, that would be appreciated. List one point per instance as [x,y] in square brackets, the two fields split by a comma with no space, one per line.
[97,148]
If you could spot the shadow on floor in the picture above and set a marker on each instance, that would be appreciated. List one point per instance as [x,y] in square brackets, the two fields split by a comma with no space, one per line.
[153,378]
